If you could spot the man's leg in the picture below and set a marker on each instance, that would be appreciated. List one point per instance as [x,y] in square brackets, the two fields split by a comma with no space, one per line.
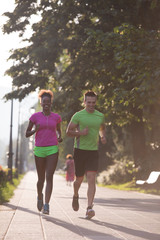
[79,172]
[91,179]
[76,186]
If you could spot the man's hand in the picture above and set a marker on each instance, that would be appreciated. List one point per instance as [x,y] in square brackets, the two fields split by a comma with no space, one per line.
[84,132]
[73,131]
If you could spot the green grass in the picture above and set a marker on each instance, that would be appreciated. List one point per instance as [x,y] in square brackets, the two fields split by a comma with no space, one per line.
[131,186]
[7,191]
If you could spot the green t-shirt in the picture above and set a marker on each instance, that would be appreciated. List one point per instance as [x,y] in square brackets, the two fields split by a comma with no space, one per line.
[93,121]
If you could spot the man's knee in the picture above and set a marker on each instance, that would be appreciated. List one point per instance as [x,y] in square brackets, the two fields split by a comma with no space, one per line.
[91,177]
[79,180]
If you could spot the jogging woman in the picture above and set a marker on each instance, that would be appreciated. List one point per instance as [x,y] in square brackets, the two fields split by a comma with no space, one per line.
[46,126]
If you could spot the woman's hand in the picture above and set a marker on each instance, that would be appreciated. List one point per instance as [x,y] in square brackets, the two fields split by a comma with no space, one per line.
[29,131]
[60,139]
[37,127]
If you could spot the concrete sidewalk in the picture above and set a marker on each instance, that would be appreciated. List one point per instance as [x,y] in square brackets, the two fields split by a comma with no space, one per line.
[119,215]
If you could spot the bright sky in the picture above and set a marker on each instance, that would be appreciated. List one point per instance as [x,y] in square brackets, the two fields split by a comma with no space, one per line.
[8,42]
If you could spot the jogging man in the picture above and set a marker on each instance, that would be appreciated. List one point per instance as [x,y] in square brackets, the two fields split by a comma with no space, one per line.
[86,126]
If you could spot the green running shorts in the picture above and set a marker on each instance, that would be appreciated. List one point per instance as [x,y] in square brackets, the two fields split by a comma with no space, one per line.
[45,151]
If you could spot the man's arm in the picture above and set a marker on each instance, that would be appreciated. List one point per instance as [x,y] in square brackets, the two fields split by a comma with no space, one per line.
[72,130]
[102,133]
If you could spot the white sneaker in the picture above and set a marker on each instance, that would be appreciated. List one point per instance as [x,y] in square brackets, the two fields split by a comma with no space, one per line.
[90,213]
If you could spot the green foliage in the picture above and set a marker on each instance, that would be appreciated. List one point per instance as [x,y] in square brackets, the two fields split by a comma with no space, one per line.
[7,188]
[3,176]
[81,29]
[109,46]
[131,186]
[7,191]
[128,84]
[65,147]
[120,172]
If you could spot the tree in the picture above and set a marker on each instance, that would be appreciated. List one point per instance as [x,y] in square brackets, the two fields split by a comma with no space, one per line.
[63,25]
[106,45]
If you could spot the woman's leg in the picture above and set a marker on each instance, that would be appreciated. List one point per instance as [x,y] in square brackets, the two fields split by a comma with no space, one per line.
[51,164]
[40,166]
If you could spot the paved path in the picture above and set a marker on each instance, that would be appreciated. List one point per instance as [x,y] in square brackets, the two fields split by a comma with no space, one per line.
[119,215]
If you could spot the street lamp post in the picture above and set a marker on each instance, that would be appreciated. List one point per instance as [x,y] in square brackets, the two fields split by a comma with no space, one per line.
[10,154]
[17,145]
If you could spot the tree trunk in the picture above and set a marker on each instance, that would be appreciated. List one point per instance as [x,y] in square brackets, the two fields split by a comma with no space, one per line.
[138,138]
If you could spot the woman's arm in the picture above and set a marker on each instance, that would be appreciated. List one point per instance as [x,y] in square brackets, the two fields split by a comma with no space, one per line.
[29,131]
[58,129]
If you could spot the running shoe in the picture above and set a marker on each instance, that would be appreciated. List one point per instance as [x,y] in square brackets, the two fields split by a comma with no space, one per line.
[40,203]
[90,212]
[75,203]
[46,208]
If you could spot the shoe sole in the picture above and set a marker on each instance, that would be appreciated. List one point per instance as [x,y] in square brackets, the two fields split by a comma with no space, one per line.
[90,215]
[45,212]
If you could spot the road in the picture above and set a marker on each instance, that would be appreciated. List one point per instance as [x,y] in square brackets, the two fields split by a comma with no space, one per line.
[119,214]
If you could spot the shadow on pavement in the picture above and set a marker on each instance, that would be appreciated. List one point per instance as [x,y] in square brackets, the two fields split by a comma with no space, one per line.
[147,205]
[13,207]
[130,231]
[80,230]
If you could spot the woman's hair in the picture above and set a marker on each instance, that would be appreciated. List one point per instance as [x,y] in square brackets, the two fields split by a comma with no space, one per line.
[45,93]
[69,156]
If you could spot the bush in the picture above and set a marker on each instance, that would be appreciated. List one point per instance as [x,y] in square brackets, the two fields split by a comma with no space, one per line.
[3,176]
[7,187]
[120,172]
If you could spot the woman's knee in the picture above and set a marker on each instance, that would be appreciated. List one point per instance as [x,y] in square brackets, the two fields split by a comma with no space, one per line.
[49,176]
[40,181]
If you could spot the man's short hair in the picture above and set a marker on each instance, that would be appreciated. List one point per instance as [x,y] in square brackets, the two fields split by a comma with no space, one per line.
[90,94]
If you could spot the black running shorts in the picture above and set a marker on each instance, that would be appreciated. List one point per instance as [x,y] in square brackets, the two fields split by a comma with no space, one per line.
[85,161]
